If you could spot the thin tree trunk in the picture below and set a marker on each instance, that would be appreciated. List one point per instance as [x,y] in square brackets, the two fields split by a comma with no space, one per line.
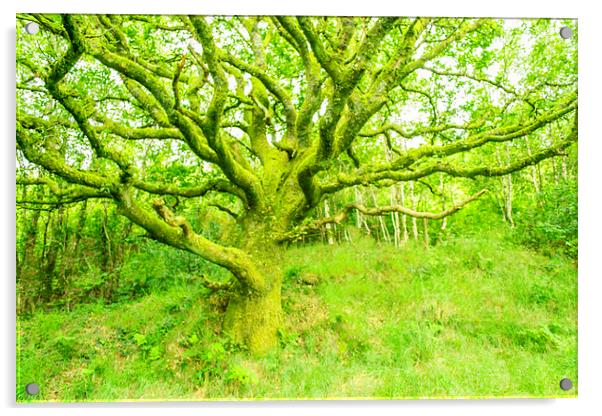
[347,235]
[533,169]
[509,188]
[360,220]
[381,220]
[52,254]
[81,222]
[506,182]
[394,197]
[414,207]
[66,236]
[46,280]
[555,170]
[107,264]
[425,230]
[443,202]
[404,217]
[395,217]
[563,163]
[329,230]
[30,225]
[21,219]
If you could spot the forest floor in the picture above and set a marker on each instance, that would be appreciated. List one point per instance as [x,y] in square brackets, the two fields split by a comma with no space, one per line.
[469,317]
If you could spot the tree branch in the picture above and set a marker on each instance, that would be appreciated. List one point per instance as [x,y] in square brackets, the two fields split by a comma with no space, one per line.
[53,164]
[177,232]
[217,185]
[346,180]
[377,211]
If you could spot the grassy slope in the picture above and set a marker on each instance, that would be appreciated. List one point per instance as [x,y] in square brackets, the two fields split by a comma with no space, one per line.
[469,317]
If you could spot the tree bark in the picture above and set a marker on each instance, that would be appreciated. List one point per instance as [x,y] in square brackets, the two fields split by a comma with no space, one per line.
[404,217]
[414,206]
[506,183]
[395,217]
[360,221]
[29,248]
[383,227]
[443,204]
[329,227]
[534,170]
[253,317]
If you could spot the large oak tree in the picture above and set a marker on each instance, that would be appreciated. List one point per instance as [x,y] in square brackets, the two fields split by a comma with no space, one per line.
[264,117]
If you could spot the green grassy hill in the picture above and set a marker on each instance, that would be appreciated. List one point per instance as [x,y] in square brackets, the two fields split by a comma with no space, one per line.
[470,317]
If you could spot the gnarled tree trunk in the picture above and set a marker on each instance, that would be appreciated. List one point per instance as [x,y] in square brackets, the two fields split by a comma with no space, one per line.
[254,315]
[253,318]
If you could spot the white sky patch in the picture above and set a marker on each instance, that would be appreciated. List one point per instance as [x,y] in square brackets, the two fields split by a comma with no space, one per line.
[232,83]
[195,45]
[414,142]
[235,132]
[423,74]
[296,87]
[248,86]
[493,70]
[322,109]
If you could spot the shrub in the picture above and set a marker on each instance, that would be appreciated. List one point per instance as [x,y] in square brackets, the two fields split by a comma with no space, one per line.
[552,222]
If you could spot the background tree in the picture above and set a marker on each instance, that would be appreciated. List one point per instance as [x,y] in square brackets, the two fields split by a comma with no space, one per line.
[268,119]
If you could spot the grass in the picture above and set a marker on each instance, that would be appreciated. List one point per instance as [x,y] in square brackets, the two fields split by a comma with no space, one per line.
[470,317]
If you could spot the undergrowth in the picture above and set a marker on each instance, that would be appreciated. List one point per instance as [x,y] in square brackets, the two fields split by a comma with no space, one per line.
[469,317]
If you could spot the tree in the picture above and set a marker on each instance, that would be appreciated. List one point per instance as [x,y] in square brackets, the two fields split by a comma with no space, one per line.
[265,117]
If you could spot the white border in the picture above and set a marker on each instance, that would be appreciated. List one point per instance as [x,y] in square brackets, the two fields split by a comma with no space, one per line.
[590,177]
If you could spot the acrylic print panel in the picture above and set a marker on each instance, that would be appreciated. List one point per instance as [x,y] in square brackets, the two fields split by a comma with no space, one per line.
[215,208]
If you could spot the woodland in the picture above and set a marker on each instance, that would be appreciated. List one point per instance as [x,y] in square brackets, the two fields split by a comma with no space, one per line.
[260,207]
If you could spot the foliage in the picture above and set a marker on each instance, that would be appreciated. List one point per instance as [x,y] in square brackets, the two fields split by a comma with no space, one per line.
[467,324]
[553,220]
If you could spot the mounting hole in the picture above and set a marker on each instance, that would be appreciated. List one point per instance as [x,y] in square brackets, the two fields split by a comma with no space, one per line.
[32,28]
[566,32]
[566,384]
[32,389]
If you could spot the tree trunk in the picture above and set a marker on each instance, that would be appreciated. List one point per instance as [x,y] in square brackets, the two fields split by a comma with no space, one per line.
[48,259]
[506,182]
[443,205]
[425,230]
[360,219]
[510,195]
[404,217]
[383,226]
[414,207]
[565,172]
[533,170]
[28,259]
[253,317]
[395,217]
[329,227]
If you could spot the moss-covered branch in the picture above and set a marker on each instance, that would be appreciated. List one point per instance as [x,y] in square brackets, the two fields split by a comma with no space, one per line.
[62,194]
[346,180]
[342,215]
[217,185]
[499,134]
[211,127]
[52,162]
[175,231]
